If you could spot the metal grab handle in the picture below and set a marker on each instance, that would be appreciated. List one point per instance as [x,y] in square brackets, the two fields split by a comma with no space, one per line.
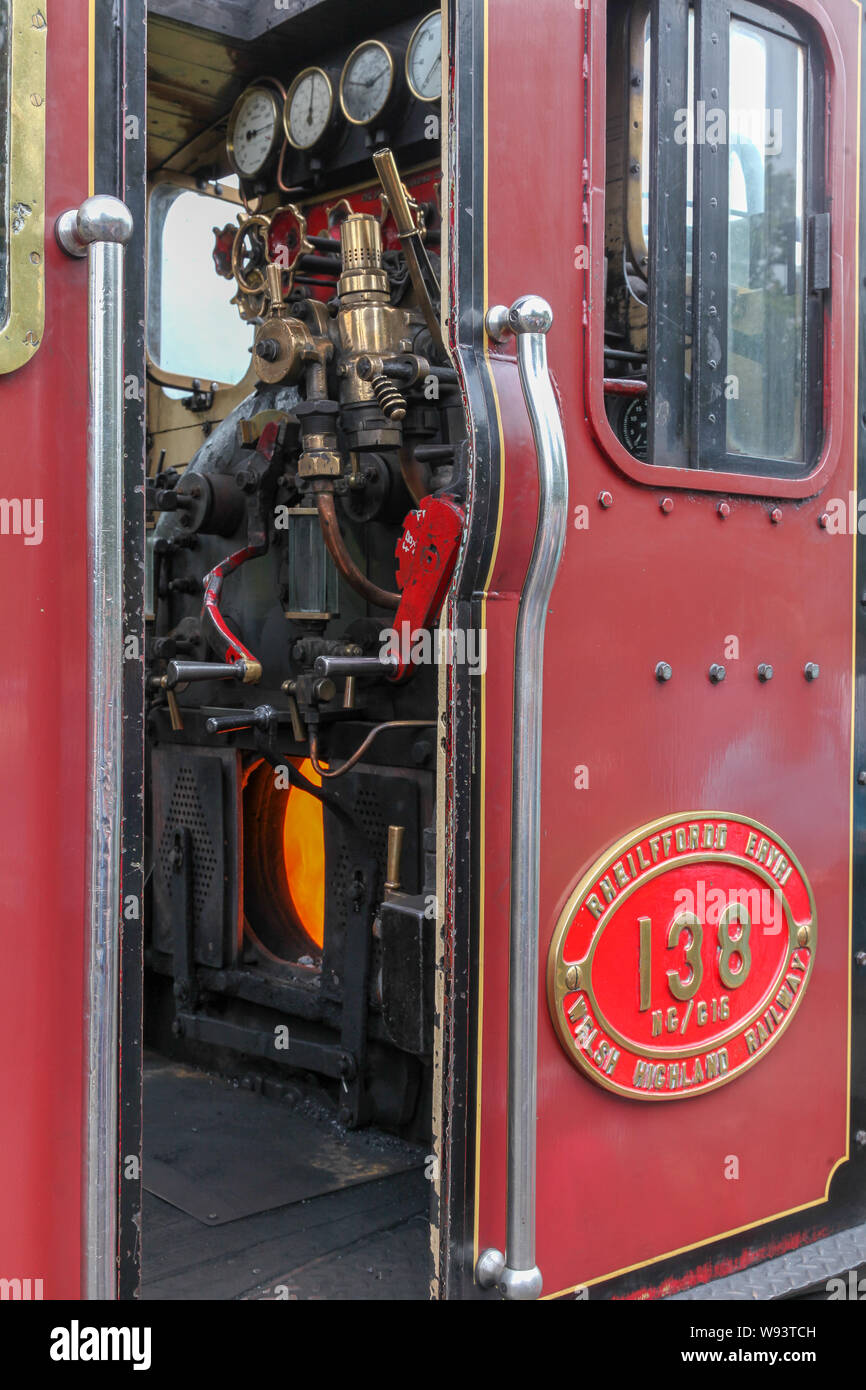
[100,229]
[515,1273]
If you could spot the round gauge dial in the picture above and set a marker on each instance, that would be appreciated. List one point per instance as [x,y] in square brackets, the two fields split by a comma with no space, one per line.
[635,427]
[253,130]
[309,108]
[367,82]
[424,59]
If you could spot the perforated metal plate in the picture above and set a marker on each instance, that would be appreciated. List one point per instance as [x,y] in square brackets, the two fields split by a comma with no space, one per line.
[198,790]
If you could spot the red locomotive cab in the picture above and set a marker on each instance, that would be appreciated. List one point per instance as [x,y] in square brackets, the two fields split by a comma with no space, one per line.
[695,851]
[447,870]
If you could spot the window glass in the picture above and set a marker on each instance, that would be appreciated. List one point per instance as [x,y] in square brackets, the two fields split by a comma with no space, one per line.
[193,329]
[709,330]
[765,245]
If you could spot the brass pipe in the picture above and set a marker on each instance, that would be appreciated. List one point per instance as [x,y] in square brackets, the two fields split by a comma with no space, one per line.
[417,260]
[174,713]
[317,381]
[395,850]
[336,545]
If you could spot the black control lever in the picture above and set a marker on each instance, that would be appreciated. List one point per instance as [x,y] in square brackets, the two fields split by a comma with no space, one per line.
[178,672]
[263,717]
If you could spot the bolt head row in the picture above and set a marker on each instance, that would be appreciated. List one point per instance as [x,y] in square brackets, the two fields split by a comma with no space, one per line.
[764,672]
[723,509]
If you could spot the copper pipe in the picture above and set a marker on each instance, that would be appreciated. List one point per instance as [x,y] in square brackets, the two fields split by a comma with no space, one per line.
[359,752]
[277,83]
[333,538]
[280,167]
[281,184]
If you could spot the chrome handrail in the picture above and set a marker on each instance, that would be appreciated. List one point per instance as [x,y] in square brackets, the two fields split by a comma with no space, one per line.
[515,1272]
[100,229]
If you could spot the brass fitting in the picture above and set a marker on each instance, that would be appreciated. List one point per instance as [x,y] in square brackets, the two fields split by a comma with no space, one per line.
[391,402]
[284,345]
[361,249]
[369,325]
[320,456]
[395,850]
[319,459]
[281,349]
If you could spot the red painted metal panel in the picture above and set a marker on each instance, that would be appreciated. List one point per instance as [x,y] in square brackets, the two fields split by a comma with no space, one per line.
[621,1183]
[43,729]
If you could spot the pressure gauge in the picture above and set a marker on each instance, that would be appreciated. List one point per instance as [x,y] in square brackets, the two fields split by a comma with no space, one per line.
[635,427]
[253,131]
[424,59]
[309,108]
[367,82]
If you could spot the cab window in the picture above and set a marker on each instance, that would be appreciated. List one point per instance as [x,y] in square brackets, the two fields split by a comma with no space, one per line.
[717,243]
[193,328]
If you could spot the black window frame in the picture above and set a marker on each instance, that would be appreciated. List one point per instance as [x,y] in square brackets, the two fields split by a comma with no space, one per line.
[703,447]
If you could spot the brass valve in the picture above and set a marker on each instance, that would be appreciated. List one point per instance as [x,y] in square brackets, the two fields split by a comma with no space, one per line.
[284,347]
[369,330]
[281,349]
[370,327]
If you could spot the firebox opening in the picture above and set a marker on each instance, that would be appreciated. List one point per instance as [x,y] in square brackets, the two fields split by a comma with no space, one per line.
[284,865]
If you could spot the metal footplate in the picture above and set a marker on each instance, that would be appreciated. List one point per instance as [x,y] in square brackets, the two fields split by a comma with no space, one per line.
[797,1272]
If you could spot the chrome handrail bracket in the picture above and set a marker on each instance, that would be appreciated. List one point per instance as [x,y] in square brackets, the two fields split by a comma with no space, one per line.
[100,229]
[516,1273]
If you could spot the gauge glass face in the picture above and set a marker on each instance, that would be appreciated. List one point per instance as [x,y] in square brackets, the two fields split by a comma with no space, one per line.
[424,59]
[253,131]
[366,82]
[635,427]
[308,108]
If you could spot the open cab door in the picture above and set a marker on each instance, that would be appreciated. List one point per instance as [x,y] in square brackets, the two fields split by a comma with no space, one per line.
[71,384]
[646,1026]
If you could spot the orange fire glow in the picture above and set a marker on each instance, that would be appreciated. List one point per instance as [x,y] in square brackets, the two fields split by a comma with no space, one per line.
[304,854]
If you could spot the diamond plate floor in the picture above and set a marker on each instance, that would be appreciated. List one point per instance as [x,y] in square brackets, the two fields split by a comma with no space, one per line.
[807,1268]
